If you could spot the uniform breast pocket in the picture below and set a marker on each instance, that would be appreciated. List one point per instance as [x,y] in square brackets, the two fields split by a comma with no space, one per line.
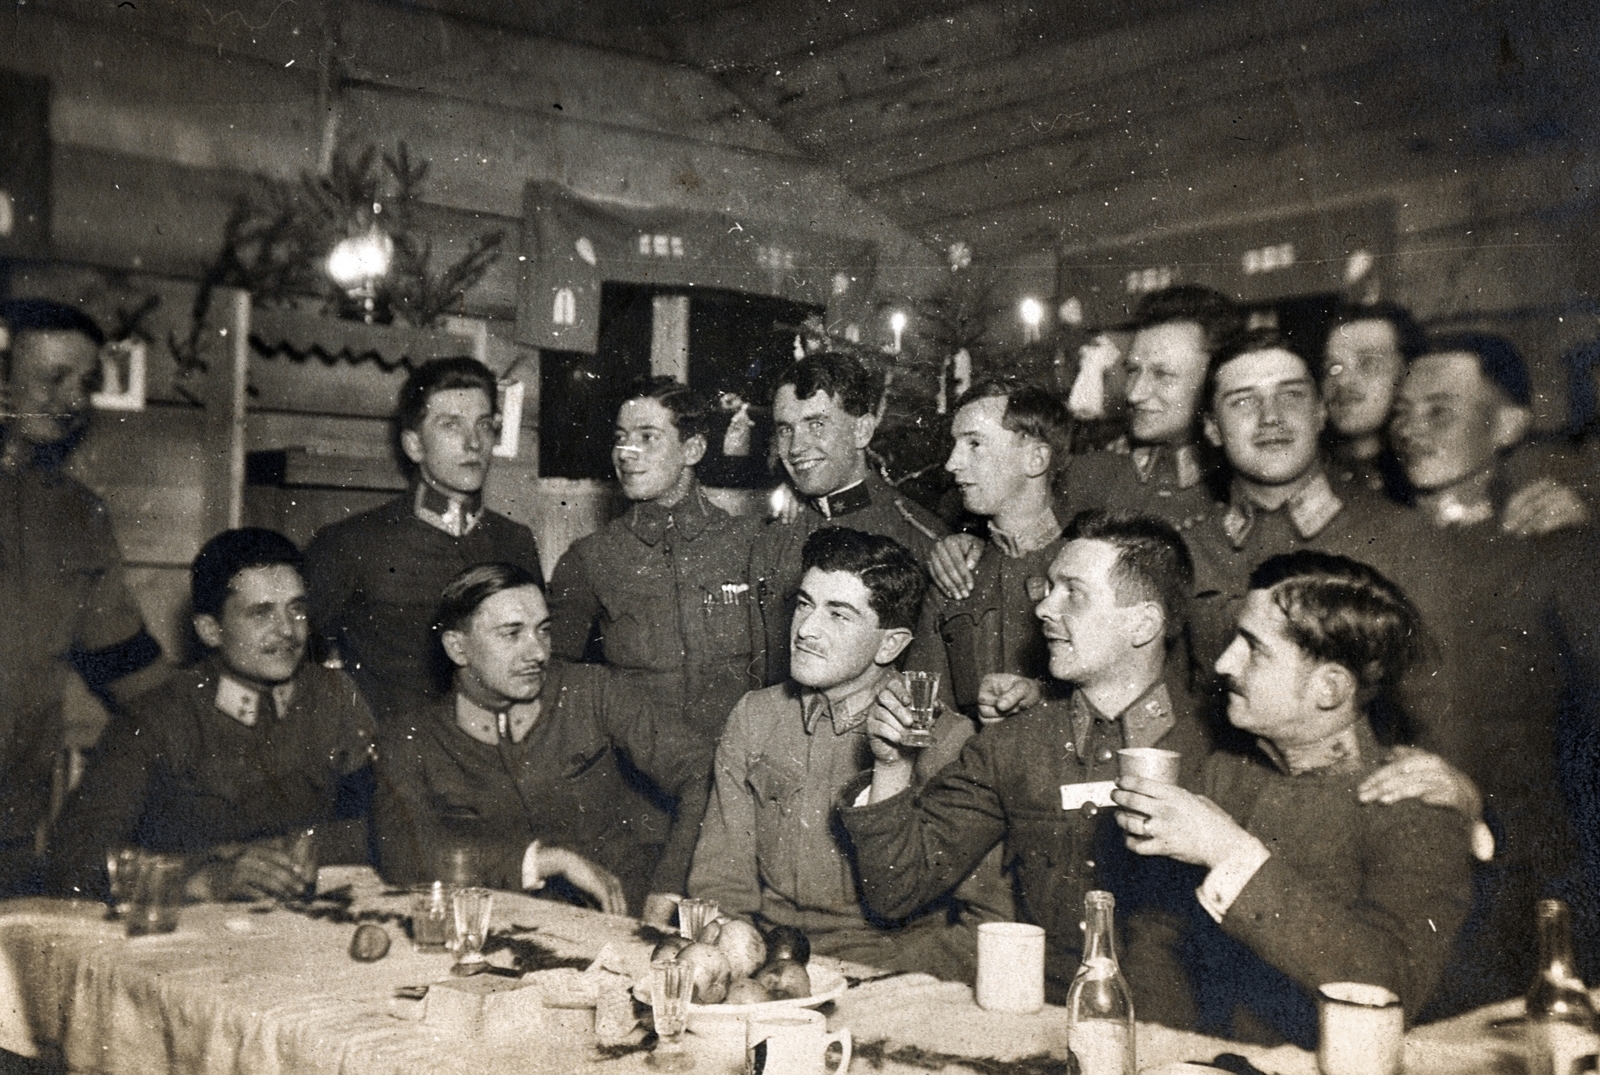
[1040,855]
[972,647]
[774,787]
[584,762]
[640,626]
[724,612]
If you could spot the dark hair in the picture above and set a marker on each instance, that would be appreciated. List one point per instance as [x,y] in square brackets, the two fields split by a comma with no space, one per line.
[888,570]
[223,557]
[1409,336]
[472,587]
[1030,411]
[1257,339]
[43,315]
[1343,611]
[856,388]
[1498,360]
[689,409]
[442,375]
[1219,317]
[1153,563]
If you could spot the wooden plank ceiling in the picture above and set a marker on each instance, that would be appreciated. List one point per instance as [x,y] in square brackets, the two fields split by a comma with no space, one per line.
[1004,122]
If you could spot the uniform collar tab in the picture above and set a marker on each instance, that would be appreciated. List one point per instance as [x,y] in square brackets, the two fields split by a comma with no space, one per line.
[1144,722]
[1310,511]
[851,498]
[489,727]
[455,516]
[245,704]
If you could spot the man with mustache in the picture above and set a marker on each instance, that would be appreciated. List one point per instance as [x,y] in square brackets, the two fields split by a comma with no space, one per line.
[523,764]
[227,758]
[66,599]
[375,578]
[824,414]
[663,584]
[1038,784]
[1298,881]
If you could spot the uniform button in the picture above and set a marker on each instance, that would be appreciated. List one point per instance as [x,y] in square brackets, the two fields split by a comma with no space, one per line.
[1069,747]
[1090,809]
[1104,754]
[1089,863]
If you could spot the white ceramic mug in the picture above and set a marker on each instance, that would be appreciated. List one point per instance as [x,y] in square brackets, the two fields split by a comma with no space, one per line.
[1010,967]
[1363,1030]
[793,1042]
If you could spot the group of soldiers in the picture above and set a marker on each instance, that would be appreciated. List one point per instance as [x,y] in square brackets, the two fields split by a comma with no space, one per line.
[1333,583]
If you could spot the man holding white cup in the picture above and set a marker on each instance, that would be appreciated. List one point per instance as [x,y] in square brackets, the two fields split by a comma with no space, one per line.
[1040,783]
[1303,884]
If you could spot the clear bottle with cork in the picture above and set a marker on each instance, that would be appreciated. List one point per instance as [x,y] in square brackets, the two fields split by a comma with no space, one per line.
[1563,1034]
[1100,1030]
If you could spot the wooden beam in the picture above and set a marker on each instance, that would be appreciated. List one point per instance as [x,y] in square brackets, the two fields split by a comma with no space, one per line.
[752,36]
[1057,104]
[429,52]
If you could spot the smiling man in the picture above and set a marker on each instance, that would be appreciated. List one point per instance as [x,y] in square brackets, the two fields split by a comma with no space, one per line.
[824,414]
[229,756]
[768,849]
[375,578]
[1301,881]
[1364,358]
[1039,783]
[523,763]
[664,584]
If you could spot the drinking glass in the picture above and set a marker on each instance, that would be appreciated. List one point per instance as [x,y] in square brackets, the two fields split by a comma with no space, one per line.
[670,985]
[301,847]
[432,916]
[924,690]
[471,907]
[122,871]
[693,916]
[157,893]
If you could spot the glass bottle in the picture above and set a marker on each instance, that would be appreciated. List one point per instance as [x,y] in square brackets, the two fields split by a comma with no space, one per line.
[1561,1020]
[1099,1004]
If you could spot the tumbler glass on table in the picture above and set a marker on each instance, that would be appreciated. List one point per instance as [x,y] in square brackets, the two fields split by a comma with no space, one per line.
[432,917]
[693,916]
[157,893]
[301,847]
[924,706]
[122,873]
[671,983]
[471,907]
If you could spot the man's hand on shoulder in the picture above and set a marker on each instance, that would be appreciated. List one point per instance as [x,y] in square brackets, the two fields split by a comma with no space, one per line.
[952,562]
[1543,507]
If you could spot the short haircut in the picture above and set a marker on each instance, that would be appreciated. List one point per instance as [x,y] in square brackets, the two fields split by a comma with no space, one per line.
[1219,317]
[1343,611]
[1153,563]
[442,375]
[856,388]
[1409,336]
[1498,360]
[22,316]
[890,573]
[223,557]
[1031,411]
[1248,343]
[471,588]
[689,409]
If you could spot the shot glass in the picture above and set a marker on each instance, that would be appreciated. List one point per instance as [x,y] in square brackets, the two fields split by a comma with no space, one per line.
[924,690]
[693,915]
[471,908]
[432,917]
[670,985]
[301,847]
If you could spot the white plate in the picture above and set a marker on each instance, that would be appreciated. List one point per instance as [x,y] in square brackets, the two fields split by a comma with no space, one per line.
[826,984]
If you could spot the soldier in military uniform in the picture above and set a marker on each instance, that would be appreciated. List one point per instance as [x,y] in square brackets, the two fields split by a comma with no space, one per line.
[824,415]
[664,583]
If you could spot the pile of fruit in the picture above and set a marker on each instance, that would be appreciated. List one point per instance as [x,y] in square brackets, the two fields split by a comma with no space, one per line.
[734,964]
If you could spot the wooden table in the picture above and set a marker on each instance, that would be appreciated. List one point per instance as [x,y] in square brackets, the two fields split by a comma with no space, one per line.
[238,991]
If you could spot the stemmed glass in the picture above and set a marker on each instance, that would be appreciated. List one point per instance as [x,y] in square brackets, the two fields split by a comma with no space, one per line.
[471,907]
[670,985]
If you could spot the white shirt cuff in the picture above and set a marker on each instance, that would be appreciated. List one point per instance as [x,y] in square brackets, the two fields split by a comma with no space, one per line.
[1482,842]
[1228,878]
[531,881]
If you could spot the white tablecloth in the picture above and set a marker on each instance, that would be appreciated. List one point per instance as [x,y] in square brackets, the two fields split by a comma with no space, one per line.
[239,993]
